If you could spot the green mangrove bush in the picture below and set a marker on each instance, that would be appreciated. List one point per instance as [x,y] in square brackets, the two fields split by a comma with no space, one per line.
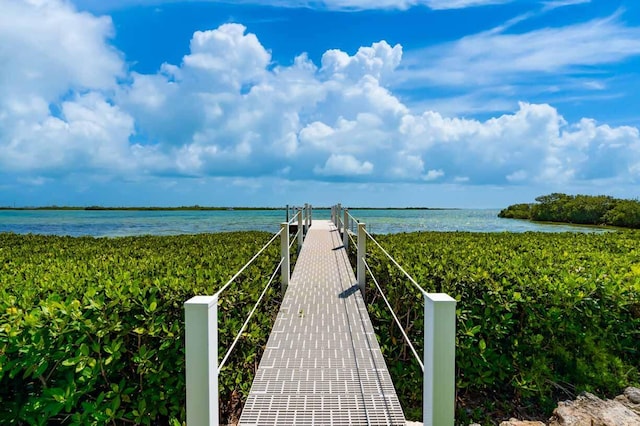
[540,316]
[92,330]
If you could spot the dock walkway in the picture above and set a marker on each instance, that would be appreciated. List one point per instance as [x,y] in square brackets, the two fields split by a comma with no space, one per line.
[322,364]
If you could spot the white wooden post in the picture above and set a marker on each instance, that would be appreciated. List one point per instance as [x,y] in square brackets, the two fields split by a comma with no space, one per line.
[362,251]
[201,352]
[285,270]
[439,359]
[345,224]
[300,230]
[306,218]
[338,211]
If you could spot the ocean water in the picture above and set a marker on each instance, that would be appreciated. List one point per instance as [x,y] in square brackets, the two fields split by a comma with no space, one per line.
[124,223]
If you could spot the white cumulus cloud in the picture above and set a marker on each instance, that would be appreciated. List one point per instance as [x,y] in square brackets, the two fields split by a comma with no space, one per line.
[344,165]
[228,111]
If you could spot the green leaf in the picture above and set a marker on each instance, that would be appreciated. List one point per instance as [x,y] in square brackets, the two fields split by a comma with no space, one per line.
[482,345]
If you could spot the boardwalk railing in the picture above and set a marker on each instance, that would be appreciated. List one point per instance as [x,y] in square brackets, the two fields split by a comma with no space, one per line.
[438,360]
[201,327]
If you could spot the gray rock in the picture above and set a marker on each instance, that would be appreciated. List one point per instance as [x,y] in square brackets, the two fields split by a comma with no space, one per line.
[630,399]
[632,394]
[589,410]
[515,422]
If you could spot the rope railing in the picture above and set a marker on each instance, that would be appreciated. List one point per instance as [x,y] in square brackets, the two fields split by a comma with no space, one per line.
[353,221]
[393,314]
[395,317]
[246,322]
[386,301]
[201,327]
[294,239]
[224,287]
[353,240]
[439,331]
[406,274]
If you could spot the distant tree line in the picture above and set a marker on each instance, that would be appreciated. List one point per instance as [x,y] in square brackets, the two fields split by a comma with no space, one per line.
[188,208]
[579,209]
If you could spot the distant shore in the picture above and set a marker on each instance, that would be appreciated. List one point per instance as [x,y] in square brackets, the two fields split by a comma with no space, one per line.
[203,208]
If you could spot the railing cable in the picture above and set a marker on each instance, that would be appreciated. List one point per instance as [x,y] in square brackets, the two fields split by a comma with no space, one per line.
[406,338]
[294,218]
[224,287]
[396,263]
[353,240]
[294,239]
[244,326]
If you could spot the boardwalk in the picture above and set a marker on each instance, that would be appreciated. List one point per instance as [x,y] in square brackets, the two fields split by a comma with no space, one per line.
[322,364]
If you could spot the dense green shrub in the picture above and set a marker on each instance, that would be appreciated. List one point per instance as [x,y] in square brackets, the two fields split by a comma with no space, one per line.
[516,211]
[92,330]
[580,209]
[625,213]
[540,316]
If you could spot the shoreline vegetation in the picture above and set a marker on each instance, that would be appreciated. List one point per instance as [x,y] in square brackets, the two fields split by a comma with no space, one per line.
[94,328]
[201,208]
[598,210]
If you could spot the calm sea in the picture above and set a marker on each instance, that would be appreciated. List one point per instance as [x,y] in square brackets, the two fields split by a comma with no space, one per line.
[122,223]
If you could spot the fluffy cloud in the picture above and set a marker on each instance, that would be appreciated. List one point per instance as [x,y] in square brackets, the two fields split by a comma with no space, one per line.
[89,134]
[226,110]
[45,46]
[54,111]
[344,165]
[377,61]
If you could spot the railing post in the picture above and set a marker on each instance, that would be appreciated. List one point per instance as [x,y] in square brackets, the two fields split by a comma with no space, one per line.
[285,270]
[306,218]
[310,215]
[201,353]
[362,252]
[300,230]
[345,227]
[439,359]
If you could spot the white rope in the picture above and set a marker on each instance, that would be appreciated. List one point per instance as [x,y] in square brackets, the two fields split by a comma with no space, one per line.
[295,217]
[396,263]
[353,241]
[354,222]
[294,239]
[406,338]
[224,360]
[224,287]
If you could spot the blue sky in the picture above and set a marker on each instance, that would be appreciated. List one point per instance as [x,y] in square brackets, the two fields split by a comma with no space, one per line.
[442,103]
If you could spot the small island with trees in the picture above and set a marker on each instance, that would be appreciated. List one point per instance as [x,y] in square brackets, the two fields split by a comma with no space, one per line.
[578,209]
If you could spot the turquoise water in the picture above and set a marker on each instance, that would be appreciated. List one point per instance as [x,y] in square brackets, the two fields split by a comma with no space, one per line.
[123,223]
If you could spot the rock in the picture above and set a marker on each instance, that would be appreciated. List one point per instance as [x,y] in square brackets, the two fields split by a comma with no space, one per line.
[589,410]
[630,399]
[515,422]
[632,394]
